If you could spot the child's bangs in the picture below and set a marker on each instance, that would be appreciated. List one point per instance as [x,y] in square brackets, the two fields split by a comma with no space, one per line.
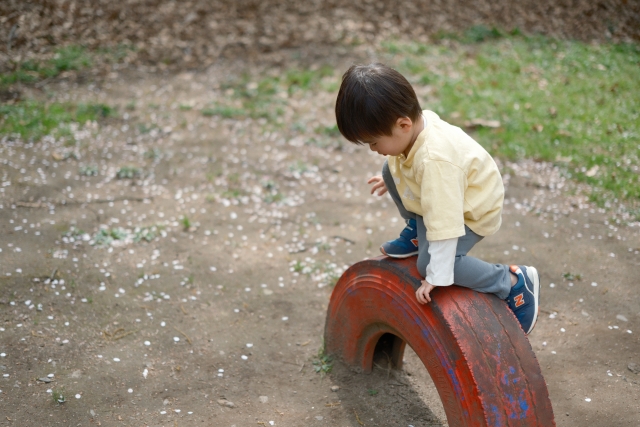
[363,126]
[362,131]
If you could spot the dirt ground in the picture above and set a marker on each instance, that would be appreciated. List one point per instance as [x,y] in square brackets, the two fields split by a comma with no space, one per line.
[217,320]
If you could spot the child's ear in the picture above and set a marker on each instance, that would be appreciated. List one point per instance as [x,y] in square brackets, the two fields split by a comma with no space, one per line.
[404,123]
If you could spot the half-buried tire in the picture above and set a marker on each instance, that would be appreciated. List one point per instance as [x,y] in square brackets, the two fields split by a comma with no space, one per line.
[472,345]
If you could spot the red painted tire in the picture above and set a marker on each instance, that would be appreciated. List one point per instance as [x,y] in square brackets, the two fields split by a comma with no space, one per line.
[472,345]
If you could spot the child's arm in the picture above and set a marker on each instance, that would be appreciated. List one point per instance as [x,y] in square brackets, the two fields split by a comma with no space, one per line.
[378,183]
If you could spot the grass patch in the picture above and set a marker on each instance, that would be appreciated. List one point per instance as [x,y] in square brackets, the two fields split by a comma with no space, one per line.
[129,172]
[323,363]
[57,397]
[572,276]
[565,102]
[107,236]
[186,223]
[104,237]
[88,170]
[31,120]
[147,234]
[68,58]
[224,111]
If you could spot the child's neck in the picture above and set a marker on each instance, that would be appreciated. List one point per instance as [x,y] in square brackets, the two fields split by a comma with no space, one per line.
[418,127]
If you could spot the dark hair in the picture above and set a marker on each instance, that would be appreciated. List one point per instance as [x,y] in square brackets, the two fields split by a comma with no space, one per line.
[370,101]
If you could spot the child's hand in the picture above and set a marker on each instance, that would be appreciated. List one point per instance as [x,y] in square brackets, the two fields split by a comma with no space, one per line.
[378,184]
[422,294]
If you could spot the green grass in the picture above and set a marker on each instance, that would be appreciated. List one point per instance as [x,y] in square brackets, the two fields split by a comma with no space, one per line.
[31,120]
[186,223]
[129,172]
[565,102]
[65,59]
[147,234]
[57,397]
[88,170]
[224,111]
[323,363]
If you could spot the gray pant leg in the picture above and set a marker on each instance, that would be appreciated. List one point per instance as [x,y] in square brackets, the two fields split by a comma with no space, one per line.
[393,192]
[468,272]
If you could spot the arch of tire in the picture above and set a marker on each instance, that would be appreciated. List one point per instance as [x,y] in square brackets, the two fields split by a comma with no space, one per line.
[472,345]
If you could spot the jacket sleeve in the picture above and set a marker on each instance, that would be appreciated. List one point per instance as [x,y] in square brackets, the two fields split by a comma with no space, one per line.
[443,257]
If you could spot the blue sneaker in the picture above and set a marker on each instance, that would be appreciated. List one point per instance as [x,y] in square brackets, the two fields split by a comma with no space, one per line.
[525,296]
[404,246]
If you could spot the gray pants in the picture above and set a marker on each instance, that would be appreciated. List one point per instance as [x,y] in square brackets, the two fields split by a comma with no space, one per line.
[468,272]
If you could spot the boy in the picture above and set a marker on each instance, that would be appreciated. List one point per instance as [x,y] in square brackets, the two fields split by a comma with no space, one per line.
[445,185]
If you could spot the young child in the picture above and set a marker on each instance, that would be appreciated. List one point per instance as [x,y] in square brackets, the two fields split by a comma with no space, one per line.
[445,185]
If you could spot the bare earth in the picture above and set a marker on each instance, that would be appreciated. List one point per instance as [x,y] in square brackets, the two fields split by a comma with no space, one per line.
[218,321]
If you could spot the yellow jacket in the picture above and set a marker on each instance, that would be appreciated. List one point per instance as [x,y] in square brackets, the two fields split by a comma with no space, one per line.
[450,180]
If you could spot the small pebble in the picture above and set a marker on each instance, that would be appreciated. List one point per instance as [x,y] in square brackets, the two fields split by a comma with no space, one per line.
[225,402]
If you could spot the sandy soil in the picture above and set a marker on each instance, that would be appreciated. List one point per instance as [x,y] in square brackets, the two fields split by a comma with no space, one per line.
[218,321]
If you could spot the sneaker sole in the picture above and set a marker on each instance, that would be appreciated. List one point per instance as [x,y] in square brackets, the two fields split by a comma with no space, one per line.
[533,275]
[398,256]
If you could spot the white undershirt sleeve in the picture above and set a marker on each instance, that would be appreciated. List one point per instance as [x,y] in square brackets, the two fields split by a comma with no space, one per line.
[443,257]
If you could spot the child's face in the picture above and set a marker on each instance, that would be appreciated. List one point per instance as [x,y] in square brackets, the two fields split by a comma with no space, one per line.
[403,135]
